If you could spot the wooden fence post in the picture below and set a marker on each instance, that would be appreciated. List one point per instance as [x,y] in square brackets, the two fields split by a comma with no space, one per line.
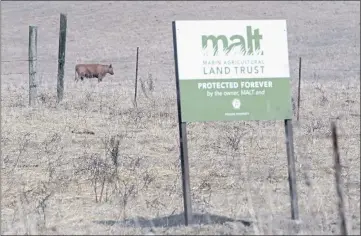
[32,57]
[136,78]
[61,57]
[299,89]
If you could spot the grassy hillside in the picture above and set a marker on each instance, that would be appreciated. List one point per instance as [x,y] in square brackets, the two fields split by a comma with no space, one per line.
[57,158]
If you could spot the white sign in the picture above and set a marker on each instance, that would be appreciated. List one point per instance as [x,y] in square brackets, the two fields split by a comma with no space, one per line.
[228,49]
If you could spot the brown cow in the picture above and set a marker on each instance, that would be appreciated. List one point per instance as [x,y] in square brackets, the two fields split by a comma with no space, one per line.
[92,71]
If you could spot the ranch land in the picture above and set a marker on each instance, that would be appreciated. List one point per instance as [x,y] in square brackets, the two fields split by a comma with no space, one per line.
[97,164]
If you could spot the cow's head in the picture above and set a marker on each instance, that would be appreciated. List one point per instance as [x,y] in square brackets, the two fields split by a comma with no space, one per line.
[110,69]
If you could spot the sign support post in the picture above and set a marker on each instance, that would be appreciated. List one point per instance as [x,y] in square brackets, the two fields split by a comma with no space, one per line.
[183,143]
[291,169]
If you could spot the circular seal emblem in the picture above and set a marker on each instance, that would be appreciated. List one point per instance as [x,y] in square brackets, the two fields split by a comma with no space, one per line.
[236,103]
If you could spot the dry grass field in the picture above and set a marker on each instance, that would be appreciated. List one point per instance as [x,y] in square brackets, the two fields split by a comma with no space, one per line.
[95,164]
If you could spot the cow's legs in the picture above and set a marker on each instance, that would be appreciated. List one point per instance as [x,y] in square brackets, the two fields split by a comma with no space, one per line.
[76,77]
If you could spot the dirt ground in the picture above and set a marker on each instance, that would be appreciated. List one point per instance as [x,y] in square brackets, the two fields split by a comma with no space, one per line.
[64,172]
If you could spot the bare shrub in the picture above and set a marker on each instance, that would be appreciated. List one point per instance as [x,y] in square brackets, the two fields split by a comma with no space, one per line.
[136,115]
[294,107]
[34,199]
[234,136]
[23,144]
[150,82]
[114,152]
[47,99]
[323,100]
[147,86]
[116,175]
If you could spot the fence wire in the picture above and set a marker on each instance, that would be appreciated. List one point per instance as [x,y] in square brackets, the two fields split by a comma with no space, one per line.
[127,61]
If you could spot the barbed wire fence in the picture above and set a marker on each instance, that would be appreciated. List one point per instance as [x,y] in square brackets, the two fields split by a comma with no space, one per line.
[312,78]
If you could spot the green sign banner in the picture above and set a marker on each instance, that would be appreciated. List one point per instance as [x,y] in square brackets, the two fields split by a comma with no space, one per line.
[233,70]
